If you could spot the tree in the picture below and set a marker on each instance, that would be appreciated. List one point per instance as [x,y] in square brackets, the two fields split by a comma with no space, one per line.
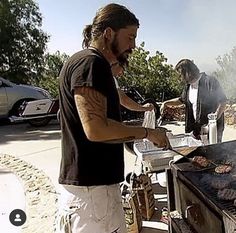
[151,76]
[22,42]
[226,74]
[52,67]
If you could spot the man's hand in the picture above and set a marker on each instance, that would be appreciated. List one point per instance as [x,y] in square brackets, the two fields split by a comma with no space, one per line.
[148,107]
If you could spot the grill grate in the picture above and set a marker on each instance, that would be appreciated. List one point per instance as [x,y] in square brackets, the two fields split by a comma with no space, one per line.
[199,181]
[221,152]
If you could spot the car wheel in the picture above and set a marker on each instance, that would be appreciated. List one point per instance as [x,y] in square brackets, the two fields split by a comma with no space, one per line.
[39,122]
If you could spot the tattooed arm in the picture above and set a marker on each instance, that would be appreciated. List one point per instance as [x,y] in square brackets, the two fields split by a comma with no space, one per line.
[92,108]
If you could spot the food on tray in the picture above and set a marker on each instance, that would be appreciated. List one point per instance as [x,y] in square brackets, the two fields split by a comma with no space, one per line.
[201,161]
[223,168]
[227,194]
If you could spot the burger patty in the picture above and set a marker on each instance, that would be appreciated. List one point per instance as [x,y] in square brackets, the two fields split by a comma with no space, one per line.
[227,194]
[217,181]
[201,161]
[224,168]
[220,183]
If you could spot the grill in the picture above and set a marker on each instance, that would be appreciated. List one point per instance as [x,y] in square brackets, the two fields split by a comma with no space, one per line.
[194,199]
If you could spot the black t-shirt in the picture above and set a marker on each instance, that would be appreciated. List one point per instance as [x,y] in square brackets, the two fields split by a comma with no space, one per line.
[84,162]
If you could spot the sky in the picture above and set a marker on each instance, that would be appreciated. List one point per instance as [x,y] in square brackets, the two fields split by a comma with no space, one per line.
[200,30]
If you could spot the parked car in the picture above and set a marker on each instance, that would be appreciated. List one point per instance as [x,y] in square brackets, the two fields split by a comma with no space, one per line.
[13,95]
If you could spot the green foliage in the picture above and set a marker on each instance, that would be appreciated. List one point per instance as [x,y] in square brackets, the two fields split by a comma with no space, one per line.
[151,76]
[52,66]
[226,74]
[22,42]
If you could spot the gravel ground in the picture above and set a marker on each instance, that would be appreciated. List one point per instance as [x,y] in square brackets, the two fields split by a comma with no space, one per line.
[40,195]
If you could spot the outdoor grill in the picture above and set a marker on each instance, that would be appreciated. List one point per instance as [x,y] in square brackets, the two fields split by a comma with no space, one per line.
[193,201]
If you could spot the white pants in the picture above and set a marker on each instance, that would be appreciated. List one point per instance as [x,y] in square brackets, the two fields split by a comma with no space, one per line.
[94,209]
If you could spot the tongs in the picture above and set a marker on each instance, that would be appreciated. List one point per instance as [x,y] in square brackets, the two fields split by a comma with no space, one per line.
[190,166]
[190,159]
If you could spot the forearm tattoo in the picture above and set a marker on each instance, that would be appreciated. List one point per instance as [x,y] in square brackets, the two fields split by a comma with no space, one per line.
[91,104]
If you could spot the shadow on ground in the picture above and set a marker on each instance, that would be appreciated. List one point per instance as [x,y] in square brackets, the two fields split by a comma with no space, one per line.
[24,131]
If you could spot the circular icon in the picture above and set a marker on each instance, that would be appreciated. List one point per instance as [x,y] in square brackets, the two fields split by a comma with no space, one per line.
[17,217]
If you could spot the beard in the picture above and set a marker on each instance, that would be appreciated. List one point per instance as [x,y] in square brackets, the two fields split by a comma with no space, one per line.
[121,57]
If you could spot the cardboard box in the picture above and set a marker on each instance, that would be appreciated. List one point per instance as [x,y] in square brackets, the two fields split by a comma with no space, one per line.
[143,186]
[133,216]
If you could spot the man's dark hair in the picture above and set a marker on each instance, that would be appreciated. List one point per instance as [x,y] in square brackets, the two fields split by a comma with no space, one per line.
[185,66]
[112,15]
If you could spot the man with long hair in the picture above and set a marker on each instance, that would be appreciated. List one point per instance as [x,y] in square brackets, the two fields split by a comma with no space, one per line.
[92,164]
[202,95]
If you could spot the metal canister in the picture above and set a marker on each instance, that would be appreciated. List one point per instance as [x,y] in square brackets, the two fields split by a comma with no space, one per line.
[212,117]
[204,134]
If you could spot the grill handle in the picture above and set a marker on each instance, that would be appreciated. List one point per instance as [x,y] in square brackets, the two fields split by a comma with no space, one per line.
[188,208]
[193,212]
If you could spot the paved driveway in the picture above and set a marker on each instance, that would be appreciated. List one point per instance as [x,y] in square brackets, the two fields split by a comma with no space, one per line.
[37,146]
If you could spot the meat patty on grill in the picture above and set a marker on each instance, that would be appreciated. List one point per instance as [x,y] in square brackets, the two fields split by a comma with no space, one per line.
[223,168]
[219,183]
[227,194]
[201,161]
